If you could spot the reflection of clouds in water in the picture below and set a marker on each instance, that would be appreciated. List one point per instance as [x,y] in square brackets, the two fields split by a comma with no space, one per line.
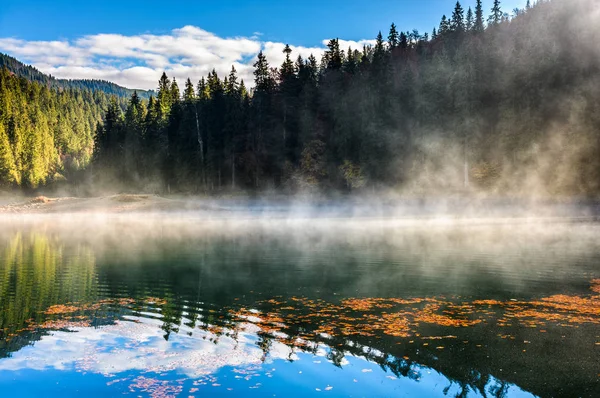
[139,347]
[128,346]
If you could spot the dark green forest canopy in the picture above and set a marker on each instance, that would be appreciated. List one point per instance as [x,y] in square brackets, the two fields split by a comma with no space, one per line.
[487,102]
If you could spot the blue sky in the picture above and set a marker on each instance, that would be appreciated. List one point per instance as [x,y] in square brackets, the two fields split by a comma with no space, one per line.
[45,33]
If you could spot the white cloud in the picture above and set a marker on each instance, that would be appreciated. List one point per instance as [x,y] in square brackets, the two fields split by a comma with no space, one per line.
[140,346]
[355,45]
[138,61]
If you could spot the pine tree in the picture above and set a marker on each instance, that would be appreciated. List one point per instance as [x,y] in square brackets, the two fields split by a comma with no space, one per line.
[286,71]
[164,96]
[8,171]
[333,57]
[496,16]
[242,90]
[175,94]
[393,38]
[379,46]
[478,25]
[404,41]
[312,69]
[469,21]
[231,87]
[262,77]
[444,26]
[351,63]
[457,24]
[202,91]
[188,93]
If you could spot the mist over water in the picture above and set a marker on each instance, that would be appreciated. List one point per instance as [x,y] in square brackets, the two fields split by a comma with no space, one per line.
[177,303]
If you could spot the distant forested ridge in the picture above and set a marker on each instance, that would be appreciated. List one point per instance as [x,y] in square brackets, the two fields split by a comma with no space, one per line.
[30,73]
[46,134]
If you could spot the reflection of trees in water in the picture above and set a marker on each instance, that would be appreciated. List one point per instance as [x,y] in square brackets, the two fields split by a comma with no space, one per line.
[37,272]
[195,283]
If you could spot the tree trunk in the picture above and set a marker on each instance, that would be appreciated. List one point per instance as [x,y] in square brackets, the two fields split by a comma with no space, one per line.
[232,171]
[201,145]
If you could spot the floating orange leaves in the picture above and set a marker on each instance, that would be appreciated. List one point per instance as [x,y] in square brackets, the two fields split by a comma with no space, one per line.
[63,324]
[374,317]
[61,309]
[596,285]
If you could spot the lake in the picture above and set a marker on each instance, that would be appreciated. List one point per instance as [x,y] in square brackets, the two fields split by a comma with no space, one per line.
[179,304]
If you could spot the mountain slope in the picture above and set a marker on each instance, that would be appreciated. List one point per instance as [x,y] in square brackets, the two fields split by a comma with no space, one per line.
[30,73]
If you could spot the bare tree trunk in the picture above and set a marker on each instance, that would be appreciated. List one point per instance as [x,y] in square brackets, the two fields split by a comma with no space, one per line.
[201,144]
[232,171]
[466,163]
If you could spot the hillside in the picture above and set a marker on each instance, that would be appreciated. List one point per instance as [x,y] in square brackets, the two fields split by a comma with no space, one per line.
[30,73]
[46,134]
[507,107]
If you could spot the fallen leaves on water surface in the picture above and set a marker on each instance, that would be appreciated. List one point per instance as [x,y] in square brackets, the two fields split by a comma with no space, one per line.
[373,317]
[64,324]
[596,285]
[155,388]
[61,309]
[75,315]
[300,322]
[155,301]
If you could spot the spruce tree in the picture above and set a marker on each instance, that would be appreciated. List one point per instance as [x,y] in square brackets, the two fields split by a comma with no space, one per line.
[478,25]
[286,71]
[457,24]
[188,93]
[164,96]
[496,16]
[404,41]
[262,77]
[444,26]
[469,23]
[379,46]
[175,94]
[333,57]
[232,84]
[393,37]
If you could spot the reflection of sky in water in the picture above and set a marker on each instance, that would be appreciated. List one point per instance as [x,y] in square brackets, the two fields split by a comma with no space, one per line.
[134,358]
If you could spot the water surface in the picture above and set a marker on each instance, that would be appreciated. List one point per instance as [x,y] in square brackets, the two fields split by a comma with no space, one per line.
[173,305]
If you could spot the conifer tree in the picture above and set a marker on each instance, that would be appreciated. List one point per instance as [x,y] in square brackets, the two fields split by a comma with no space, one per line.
[333,57]
[379,46]
[496,16]
[175,94]
[287,68]
[232,83]
[404,41]
[188,93]
[444,26]
[8,171]
[393,37]
[478,25]
[457,24]
[262,77]
[470,22]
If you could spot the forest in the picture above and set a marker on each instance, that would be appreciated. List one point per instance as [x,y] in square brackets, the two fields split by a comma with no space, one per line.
[490,101]
[32,74]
